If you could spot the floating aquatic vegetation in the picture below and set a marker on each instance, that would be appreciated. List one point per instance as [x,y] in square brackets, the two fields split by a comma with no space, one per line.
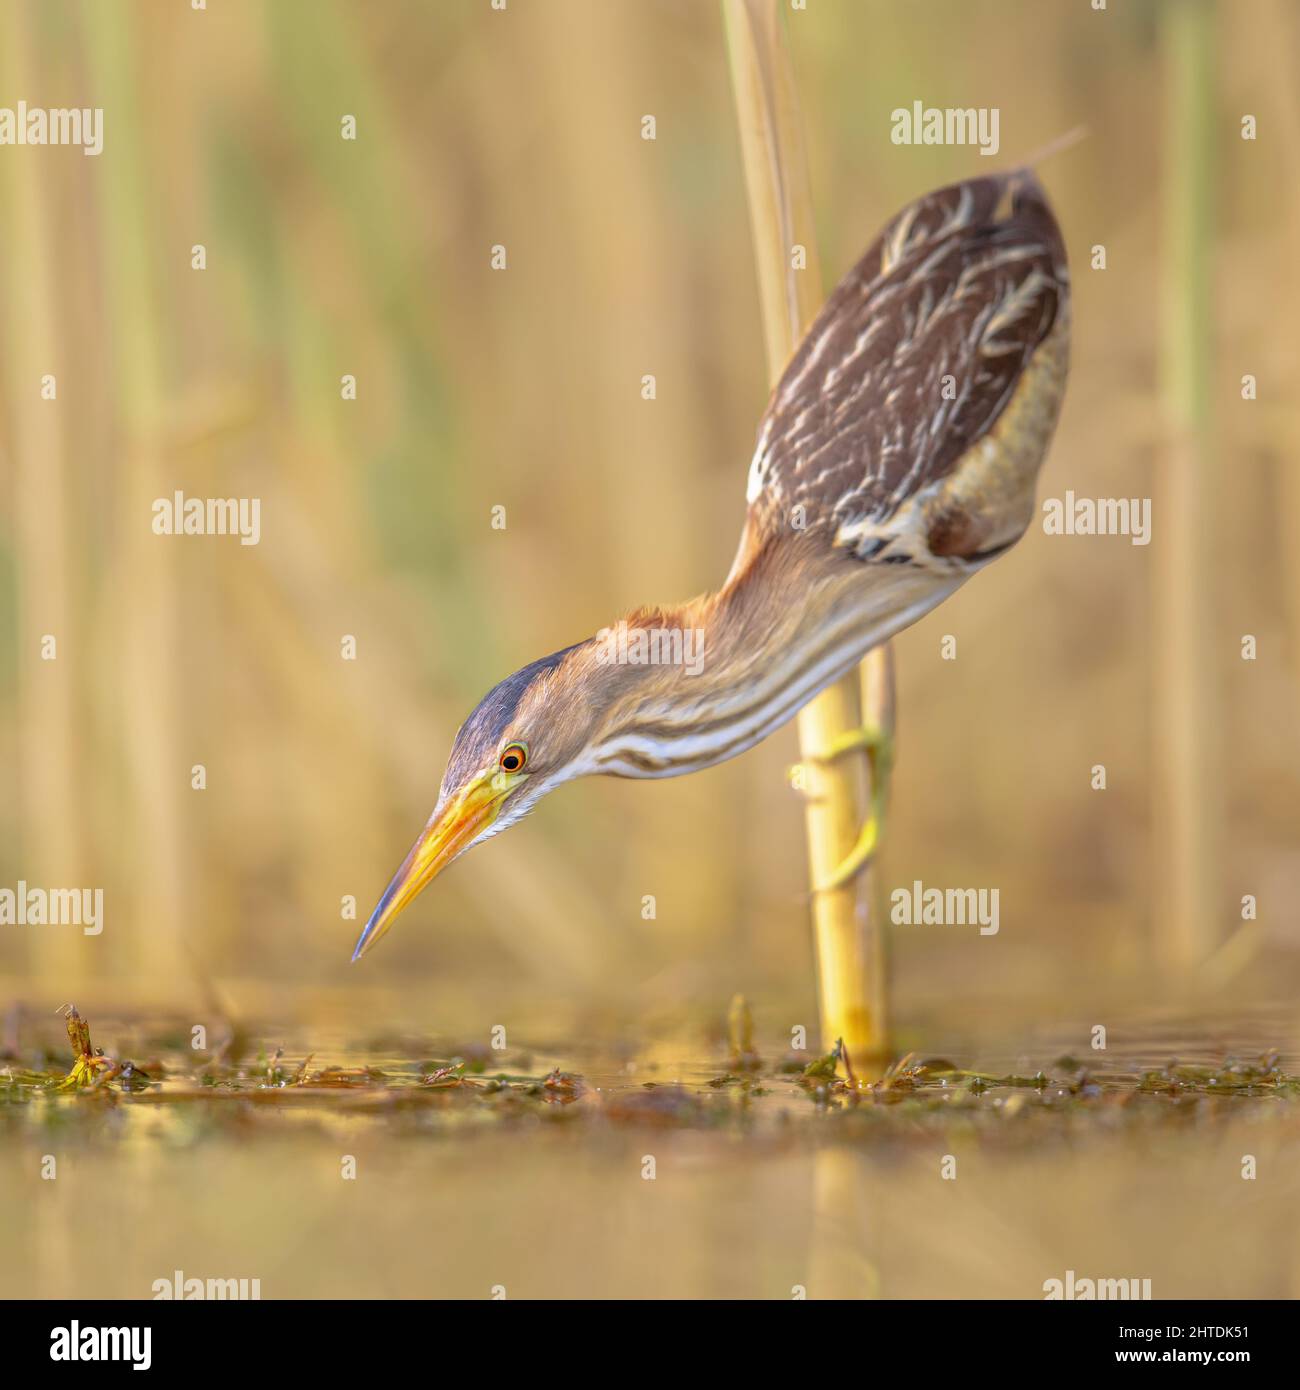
[563,1085]
[91,1069]
[194,1095]
[1258,1076]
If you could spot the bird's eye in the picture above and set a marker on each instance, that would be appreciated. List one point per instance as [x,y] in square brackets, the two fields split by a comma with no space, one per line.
[514,757]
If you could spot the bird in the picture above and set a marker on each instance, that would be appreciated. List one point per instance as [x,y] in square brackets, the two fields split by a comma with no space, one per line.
[897,457]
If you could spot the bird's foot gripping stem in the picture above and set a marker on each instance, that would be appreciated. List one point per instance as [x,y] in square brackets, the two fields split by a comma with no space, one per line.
[878,745]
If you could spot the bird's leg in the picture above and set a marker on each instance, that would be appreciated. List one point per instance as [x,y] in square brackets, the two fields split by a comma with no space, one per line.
[878,744]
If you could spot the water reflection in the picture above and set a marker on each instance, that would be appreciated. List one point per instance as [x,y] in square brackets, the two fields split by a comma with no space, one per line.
[645,1178]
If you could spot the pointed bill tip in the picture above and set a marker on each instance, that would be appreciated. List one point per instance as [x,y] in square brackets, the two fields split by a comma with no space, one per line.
[450,831]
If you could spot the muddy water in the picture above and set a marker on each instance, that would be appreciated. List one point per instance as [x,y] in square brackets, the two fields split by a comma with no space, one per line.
[346,1167]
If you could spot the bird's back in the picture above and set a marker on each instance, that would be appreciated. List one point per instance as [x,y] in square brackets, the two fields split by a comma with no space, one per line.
[909,426]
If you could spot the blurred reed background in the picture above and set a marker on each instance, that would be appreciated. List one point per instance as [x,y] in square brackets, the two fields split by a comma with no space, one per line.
[522,389]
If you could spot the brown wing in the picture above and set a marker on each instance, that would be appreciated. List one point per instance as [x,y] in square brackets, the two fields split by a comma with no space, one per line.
[911,361]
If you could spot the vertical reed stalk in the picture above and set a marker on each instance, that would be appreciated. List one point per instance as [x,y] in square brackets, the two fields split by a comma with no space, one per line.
[849,940]
[51,818]
[1186,719]
[149,644]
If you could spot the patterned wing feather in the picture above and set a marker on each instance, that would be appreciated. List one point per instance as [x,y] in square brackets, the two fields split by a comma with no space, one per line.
[912,361]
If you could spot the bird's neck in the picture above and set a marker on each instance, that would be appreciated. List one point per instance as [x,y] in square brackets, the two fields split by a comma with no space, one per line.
[706,680]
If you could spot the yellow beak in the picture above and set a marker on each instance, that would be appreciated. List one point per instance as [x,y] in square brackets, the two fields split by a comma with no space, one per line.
[451,829]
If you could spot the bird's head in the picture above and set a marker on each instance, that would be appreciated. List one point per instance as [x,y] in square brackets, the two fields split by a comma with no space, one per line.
[536,730]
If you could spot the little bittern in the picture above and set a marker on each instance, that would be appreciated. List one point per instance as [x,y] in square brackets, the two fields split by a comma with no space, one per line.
[897,456]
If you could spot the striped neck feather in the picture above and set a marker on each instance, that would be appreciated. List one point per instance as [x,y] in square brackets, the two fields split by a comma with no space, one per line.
[769,642]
